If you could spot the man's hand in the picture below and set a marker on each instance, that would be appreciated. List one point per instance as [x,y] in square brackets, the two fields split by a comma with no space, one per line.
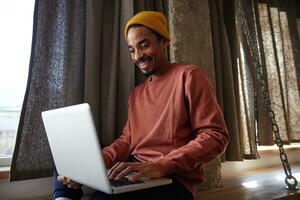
[121,169]
[68,182]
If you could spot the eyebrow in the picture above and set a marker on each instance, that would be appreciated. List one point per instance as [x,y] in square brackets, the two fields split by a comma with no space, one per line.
[140,42]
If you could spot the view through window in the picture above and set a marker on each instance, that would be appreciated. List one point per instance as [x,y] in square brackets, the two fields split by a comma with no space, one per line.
[16,20]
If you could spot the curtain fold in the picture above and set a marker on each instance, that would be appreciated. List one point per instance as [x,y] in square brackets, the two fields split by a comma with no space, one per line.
[269,39]
[239,123]
[247,91]
[109,72]
[273,30]
[55,80]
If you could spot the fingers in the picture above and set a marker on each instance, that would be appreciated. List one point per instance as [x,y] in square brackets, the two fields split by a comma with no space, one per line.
[136,176]
[112,170]
[61,179]
[68,182]
[122,169]
[149,170]
[72,184]
[129,169]
[116,171]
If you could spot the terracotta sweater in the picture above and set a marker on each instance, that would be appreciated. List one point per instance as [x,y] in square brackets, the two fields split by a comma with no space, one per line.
[173,120]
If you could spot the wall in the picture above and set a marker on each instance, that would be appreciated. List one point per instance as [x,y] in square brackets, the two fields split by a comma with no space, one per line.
[23,190]
[191,43]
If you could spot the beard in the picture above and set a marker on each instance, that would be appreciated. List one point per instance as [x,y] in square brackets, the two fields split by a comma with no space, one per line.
[145,59]
[148,74]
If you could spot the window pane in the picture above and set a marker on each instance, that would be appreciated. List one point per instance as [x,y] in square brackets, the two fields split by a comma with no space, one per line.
[9,119]
[16,19]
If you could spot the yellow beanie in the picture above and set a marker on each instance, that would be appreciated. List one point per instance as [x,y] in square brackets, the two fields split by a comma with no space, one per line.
[151,19]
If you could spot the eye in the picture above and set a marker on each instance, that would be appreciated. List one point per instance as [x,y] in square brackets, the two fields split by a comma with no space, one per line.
[131,51]
[145,45]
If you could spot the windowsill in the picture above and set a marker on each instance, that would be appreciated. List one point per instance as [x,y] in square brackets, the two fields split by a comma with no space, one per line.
[265,150]
[275,147]
[264,183]
[268,158]
[5,167]
[266,174]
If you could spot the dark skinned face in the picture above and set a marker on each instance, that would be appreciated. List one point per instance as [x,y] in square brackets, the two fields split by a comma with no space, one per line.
[146,50]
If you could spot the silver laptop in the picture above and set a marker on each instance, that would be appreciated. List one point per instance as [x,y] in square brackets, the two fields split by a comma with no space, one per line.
[77,153]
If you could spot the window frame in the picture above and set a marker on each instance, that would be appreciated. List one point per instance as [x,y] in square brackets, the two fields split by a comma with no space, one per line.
[5,161]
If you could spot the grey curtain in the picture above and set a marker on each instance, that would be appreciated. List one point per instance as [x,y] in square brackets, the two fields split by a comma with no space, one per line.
[246,34]
[279,52]
[269,37]
[56,79]
[109,72]
[241,144]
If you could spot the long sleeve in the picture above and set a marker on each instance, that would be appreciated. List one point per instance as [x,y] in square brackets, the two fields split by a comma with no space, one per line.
[208,127]
[174,121]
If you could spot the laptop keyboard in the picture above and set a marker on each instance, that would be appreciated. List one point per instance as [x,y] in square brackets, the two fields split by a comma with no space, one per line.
[124,181]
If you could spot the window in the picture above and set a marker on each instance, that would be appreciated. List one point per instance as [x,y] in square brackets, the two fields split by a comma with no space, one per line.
[16,19]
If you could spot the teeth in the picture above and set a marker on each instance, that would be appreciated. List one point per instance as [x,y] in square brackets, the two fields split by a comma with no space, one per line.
[143,64]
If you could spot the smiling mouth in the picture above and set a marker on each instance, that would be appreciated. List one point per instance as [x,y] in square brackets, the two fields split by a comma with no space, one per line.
[144,62]
[143,65]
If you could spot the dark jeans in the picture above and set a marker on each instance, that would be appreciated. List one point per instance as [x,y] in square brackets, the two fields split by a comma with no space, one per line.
[61,190]
[173,191]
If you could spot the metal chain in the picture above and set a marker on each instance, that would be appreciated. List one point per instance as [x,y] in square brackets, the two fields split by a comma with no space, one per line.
[290,180]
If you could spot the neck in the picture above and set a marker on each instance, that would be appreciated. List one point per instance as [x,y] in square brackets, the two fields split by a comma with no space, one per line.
[162,68]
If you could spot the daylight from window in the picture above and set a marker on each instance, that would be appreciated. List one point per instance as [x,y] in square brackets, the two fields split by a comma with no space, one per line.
[16,19]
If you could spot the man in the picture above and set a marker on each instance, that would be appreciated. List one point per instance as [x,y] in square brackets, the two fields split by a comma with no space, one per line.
[174,123]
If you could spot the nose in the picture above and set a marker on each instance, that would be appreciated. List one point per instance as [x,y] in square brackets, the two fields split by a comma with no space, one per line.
[138,54]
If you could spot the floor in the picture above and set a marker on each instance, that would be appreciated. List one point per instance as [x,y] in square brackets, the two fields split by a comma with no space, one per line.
[264,184]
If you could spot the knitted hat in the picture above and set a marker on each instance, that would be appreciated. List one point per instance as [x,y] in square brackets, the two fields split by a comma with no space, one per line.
[151,19]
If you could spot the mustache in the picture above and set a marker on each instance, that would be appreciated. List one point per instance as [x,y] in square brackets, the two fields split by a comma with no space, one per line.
[143,59]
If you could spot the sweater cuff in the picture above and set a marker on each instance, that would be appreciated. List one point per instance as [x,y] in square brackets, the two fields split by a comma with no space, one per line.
[166,166]
[107,159]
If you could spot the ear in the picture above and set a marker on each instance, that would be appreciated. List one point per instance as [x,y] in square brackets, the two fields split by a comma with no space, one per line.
[164,43]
